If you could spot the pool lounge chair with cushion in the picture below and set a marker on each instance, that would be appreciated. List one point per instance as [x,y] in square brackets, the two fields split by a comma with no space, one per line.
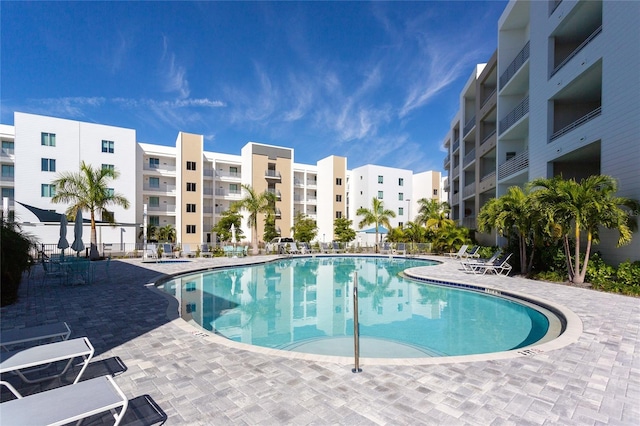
[204,250]
[460,253]
[401,248]
[167,251]
[386,248]
[38,334]
[65,404]
[498,267]
[292,248]
[336,248]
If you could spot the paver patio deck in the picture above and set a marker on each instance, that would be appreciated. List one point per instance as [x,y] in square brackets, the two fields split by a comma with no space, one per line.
[197,379]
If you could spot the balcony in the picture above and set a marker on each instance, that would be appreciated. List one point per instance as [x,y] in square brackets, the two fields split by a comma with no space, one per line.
[223,174]
[469,157]
[456,145]
[553,6]
[160,168]
[488,97]
[515,65]
[576,50]
[278,213]
[593,114]
[208,172]
[7,152]
[207,209]
[469,190]
[272,175]
[298,182]
[516,114]
[447,160]
[222,192]
[162,188]
[469,222]
[162,208]
[470,125]
[275,192]
[312,182]
[517,164]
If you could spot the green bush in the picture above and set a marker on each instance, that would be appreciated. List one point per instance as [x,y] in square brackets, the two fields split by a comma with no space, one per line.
[553,276]
[15,259]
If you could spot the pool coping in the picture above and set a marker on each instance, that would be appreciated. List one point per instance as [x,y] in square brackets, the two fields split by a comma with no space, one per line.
[573,326]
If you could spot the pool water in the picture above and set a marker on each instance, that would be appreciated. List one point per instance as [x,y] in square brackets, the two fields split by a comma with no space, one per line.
[306,305]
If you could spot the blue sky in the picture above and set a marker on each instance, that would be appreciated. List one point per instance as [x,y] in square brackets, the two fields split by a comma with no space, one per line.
[375,82]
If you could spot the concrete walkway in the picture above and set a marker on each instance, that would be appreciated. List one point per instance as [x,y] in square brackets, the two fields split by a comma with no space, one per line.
[199,379]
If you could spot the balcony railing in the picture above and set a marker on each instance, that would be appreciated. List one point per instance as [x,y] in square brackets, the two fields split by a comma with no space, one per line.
[469,157]
[278,213]
[486,138]
[162,208]
[161,188]
[223,173]
[221,192]
[207,209]
[576,50]
[516,114]
[488,97]
[298,182]
[312,182]
[566,129]
[159,167]
[470,124]
[469,222]
[516,164]
[456,145]
[207,172]
[447,160]
[275,192]
[272,174]
[5,152]
[489,175]
[469,190]
[515,65]
[554,6]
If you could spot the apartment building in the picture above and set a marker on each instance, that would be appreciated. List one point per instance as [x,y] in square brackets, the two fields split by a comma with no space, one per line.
[188,188]
[559,97]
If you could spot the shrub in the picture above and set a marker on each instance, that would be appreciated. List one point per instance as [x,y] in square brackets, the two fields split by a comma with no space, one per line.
[553,276]
[15,259]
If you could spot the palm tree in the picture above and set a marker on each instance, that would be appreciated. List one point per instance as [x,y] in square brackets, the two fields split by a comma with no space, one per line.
[515,214]
[167,233]
[255,204]
[377,215]
[89,190]
[582,208]
[151,232]
[431,209]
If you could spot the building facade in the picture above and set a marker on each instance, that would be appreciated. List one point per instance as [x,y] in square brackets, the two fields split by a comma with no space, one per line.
[559,97]
[188,188]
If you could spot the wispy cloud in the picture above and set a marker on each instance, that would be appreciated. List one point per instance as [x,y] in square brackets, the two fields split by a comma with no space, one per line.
[174,75]
[71,107]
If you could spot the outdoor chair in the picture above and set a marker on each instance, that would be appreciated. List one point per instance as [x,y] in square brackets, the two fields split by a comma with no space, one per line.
[385,249]
[228,251]
[468,264]
[325,247]
[151,252]
[460,253]
[38,334]
[498,266]
[53,270]
[473,252]
[167,251]
[292,248]
[204,250]
[65,404]
[186,250]
[401,248]
[336,248]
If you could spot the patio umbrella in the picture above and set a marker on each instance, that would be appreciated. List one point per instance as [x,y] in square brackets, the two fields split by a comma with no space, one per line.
[233,233]
[62,242]
[78,245]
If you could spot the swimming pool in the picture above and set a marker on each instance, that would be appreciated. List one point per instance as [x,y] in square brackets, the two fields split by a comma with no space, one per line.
[306,305]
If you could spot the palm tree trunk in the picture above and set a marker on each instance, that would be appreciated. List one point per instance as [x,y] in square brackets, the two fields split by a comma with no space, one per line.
[93,251]
[254,240]
[567,255]
[583,272]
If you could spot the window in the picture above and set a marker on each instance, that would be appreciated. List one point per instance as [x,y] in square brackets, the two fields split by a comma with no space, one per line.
[48,139]
[380,195]
[8,147]
[108,166]
[154,201]
[107,146]
[154,220]
[338,198]
[233,188]
[8,193]
[380,179]
[510,155]
[154,182]
[435,192]
[191,165]
[338,292]
[47,190]
[191,208]
[191,229]
[400,196]
[233,171]
[110,192]
[190,286]
[400,292]
[400,182]
[400,211]
[400,225]
[338,215]
[154,163]
[8,170]
[191,186]
[339,181]
[191,307]
[47,165]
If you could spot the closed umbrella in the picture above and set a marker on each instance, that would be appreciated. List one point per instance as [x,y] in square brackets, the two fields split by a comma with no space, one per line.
[78,245]
[62,242]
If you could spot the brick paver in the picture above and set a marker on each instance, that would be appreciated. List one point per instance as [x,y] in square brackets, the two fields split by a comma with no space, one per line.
[199,379]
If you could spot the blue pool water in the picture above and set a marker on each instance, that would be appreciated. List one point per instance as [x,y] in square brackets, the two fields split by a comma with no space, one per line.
[306,305]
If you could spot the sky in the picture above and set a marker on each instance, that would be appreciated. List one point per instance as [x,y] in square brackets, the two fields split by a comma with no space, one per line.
[376,82]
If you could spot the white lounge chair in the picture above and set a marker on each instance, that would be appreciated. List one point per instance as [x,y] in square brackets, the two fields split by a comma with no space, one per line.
[38,334]
[23,361]
[186,250]
[498,266]
[65,404]
[460,252]
[292,248]
[151,252]
[473,252]
[468,264]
